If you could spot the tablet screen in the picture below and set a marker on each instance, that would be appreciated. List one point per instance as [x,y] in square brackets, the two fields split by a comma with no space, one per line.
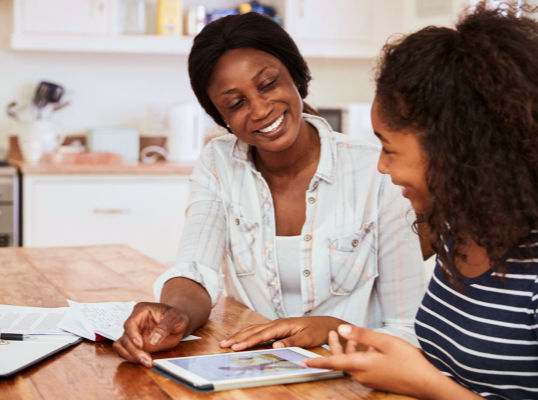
[249,364]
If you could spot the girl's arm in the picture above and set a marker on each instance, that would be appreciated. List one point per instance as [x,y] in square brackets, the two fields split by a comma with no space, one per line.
[388,364]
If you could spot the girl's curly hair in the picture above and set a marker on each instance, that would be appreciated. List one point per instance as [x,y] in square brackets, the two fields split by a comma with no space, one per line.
[472,94]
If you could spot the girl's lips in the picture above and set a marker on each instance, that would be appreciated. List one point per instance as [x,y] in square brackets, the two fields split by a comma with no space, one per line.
[405,193]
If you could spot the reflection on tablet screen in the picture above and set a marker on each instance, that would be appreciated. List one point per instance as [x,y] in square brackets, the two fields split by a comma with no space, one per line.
[231,365]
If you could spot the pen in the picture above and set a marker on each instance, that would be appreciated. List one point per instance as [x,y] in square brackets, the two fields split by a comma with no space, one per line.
[13,336]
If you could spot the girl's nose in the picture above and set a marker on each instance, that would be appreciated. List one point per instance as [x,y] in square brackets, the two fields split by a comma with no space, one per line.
[382,164]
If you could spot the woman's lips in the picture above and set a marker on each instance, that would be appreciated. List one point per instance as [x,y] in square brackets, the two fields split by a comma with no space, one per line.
[278,130]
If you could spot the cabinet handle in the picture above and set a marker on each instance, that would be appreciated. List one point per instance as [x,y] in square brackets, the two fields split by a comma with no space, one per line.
[110,211]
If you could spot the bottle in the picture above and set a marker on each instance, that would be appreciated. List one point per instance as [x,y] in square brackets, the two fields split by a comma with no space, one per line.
[195,20]
[169,17]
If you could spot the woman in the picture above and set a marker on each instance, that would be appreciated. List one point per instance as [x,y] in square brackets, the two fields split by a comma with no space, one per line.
[302,223]
[457,113]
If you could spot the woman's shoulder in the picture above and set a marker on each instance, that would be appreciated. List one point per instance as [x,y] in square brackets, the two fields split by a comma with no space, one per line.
[343,142]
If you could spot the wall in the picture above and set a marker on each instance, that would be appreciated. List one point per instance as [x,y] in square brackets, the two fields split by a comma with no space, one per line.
[115,90]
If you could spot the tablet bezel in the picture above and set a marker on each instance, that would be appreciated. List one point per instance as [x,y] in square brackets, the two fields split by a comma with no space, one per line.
[202,383]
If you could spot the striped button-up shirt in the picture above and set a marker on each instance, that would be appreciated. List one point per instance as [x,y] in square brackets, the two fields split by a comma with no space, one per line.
[359,258]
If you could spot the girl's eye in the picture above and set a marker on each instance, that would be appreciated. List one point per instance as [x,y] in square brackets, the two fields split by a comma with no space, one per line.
[385,151]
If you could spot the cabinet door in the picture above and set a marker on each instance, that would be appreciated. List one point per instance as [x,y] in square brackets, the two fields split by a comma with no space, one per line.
[330,28]
[65,16]
[145,212]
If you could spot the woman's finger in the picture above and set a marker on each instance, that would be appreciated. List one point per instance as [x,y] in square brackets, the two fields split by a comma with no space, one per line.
[269,333]
[241,335]
[128,350]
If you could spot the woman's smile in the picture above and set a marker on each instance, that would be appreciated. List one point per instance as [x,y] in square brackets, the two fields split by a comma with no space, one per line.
[274,129]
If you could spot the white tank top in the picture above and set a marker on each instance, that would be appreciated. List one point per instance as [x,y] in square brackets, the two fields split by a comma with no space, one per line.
[289,270]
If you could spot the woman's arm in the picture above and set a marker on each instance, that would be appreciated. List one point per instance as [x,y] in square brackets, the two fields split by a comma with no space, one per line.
[187,290]
[401,283]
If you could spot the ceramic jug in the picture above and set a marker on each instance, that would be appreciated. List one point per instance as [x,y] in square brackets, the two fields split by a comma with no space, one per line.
[38,137]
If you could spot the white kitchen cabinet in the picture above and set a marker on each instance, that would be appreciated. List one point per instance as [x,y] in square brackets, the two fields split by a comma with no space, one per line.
[38,17]
[145,212]
[336,28]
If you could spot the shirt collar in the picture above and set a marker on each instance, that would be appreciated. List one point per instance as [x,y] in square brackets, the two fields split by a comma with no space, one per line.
[327,160]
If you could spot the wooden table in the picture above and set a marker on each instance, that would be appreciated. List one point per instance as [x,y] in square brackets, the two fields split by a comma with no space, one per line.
[46,277]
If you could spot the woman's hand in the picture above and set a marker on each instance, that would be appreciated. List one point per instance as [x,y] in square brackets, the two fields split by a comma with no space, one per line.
[151,327]
[300,332]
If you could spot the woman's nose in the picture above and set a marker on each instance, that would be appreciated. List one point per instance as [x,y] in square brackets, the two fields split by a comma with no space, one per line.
[260,107]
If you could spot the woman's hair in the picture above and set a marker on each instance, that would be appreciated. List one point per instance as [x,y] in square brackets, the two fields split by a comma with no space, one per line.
[249,30]
[471,96]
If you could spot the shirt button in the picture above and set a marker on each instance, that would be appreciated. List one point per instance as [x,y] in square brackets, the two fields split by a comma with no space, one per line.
[311,200]
[306,273]
[237,222]
[315,185]
[307,238]
[355,242]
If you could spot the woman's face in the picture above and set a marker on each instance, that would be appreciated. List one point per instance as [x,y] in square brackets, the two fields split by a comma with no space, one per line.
[403,159]
[256,96]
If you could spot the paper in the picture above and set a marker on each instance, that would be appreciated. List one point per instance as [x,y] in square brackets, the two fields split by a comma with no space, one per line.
[104,319]
[31,320]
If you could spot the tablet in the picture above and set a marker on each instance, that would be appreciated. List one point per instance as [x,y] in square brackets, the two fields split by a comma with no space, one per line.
[244,369]
[17,355]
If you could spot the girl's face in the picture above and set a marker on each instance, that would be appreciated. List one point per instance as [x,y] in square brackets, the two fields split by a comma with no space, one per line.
[256,96]
[403,159]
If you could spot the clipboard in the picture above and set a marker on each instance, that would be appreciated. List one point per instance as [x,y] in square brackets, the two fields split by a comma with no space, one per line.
[16,355]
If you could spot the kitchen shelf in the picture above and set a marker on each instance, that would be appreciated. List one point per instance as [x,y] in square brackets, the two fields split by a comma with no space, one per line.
[135,44]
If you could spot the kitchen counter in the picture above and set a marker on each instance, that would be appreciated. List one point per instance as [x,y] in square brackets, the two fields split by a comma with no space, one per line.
[47,168]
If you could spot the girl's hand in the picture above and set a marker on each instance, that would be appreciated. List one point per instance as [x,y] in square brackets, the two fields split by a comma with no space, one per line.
[300,332]
[388,364]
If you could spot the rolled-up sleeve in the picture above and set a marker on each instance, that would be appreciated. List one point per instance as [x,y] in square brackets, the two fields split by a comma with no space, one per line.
[204,234]
[401,283]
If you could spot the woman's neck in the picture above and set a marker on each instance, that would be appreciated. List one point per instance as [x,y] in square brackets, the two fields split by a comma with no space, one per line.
[298,158]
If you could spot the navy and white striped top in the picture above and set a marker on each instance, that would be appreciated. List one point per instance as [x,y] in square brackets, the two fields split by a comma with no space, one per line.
[485,337]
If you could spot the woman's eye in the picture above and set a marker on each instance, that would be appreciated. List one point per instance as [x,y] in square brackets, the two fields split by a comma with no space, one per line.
[269,84]
[236,105]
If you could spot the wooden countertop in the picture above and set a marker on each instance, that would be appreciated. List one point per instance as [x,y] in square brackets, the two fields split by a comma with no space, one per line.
[47,168]
[45,277]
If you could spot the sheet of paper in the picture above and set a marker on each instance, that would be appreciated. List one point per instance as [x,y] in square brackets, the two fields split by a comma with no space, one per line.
[105,319]
[36,320]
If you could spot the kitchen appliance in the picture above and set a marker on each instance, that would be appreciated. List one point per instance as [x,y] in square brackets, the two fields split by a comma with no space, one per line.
[333,116]
[9,206]
[186,124]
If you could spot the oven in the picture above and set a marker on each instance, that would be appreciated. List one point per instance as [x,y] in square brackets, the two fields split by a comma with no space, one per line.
[9,206]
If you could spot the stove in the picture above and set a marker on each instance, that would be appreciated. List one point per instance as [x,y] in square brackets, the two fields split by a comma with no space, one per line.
[9,206]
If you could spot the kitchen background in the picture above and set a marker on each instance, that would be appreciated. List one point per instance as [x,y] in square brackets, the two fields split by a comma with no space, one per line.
[123,88]
[122,78]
